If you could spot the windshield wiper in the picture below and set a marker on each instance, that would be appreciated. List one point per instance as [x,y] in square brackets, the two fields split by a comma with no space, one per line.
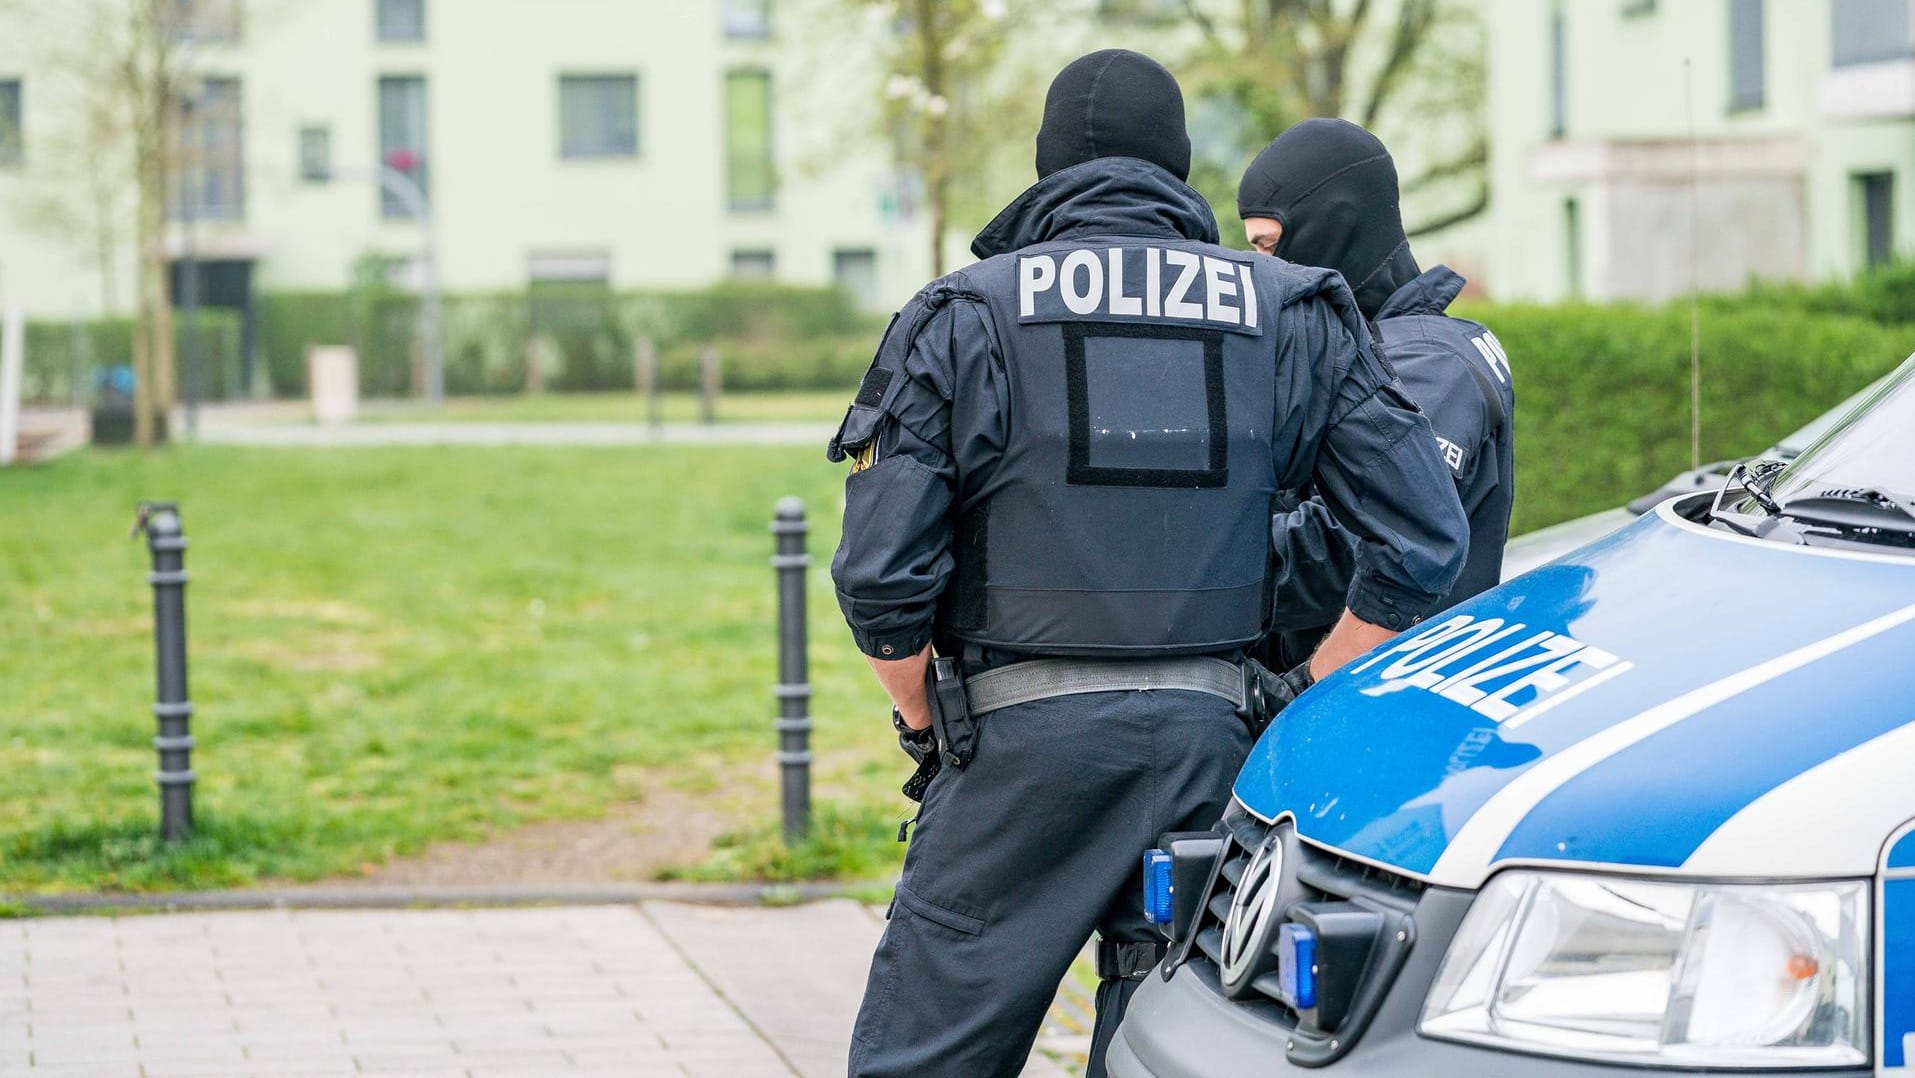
[1754,480]
[1855,508]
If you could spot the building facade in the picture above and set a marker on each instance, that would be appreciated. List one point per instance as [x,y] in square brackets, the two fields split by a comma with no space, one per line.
[648,145]
[1638,145]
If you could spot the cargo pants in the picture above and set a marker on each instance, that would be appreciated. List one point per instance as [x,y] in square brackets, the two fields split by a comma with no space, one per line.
[1018,858]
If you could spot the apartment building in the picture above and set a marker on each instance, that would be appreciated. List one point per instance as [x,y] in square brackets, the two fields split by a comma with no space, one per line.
[641,143]
[1640,143]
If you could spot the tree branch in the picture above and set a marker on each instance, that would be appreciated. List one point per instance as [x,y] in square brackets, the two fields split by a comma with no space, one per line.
[1413,22]
[1476,205]
[1472,159]
[1204,23]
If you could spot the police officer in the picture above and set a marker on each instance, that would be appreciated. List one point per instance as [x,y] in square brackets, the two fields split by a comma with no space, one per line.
[1325,194]
[1064,464]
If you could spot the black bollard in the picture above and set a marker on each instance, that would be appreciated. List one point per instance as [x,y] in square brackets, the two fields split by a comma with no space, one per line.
[794,685]
[167,541]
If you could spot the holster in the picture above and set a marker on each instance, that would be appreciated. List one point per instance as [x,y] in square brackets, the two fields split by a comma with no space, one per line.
[1266,694]
[951,721]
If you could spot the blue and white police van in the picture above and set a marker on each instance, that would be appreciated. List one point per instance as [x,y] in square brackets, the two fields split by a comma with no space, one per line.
[1650,806]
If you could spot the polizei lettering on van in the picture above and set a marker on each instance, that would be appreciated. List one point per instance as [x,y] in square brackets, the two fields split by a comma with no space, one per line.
[1138,284]
[1504,670]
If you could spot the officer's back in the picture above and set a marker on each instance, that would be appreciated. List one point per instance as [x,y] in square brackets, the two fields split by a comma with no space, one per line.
[1065,460]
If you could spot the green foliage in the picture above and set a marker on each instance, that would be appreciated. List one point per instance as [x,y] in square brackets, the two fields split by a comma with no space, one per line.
[855,840]
[1602,393]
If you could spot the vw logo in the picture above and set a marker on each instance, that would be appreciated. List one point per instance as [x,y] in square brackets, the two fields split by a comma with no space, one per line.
[1246,931]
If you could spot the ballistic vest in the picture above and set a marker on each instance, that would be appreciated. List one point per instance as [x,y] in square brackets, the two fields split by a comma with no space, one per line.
[1129,513]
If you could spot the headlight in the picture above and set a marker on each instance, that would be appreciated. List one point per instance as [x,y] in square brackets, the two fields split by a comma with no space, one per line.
[1659,973]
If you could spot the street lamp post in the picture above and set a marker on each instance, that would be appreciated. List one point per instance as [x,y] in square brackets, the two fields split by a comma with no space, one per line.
[189,259]
[392,178]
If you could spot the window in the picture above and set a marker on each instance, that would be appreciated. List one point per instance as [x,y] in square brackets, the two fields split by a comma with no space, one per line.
[856,271]
[402,137]
[748,171]
[12,145]
[1748,40]
[747,19]
[401,20]
[315,153]
[211,181]
[754,265]
[598,116]
[1865,31]
[1874,197]
[203,20]
[1573,247]
[1558,71]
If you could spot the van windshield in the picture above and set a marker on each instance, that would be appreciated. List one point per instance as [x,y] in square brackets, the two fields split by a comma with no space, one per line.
[1870,449]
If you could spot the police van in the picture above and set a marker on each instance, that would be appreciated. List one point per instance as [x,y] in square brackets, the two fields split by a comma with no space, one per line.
[1649,806]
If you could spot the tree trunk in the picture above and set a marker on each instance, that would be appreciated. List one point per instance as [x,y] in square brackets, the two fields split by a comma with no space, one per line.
[162,113]
[937,158]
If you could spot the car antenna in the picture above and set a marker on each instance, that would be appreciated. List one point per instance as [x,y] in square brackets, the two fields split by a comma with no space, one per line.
[1695,273]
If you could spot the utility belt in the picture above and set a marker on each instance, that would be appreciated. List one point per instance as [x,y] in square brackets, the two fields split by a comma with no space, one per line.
[957,702]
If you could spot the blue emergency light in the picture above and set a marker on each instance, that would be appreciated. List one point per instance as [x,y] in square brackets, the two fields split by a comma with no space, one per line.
[1297,966]
[1157,908]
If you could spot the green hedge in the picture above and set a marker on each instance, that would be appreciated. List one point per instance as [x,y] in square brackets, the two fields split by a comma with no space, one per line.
[61,358]
[770,336]
[1602,393]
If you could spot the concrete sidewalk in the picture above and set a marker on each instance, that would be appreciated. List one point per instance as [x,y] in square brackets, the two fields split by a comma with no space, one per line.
[661,988]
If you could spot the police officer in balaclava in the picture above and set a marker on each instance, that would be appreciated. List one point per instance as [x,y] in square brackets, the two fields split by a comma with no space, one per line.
[1056,551]
[1325,194]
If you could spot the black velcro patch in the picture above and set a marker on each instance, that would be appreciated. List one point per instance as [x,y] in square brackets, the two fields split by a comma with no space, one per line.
[876,380]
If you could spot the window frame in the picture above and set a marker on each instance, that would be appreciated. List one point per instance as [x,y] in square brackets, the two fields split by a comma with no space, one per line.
[767,255]
[759,29]
[379,24]
[1755,98]
[303,138]
[600,81]
[751,202]
[390,207]
[13,129]
[1558,71]
[1864,184]
[200,137]
[1880,48]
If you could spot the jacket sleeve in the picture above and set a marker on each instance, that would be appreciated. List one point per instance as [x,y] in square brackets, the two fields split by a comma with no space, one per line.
[894,556]
[1378,470]
[1315,562]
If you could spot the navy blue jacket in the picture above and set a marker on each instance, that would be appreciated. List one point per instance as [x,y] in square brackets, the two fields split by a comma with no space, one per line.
[1457,373]
[935,450]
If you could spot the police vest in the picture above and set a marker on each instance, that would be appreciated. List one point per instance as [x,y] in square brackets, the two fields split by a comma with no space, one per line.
[1130,510]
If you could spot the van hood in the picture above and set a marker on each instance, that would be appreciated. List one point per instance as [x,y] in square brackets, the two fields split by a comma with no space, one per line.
[1669,699]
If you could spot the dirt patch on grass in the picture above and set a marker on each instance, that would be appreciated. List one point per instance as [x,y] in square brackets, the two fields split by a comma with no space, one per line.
[634,842]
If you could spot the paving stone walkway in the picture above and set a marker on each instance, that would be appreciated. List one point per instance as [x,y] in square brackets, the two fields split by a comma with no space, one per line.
[656,989]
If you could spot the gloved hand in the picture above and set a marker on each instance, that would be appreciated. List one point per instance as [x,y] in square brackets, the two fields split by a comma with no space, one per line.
[1271,693]
[922,747]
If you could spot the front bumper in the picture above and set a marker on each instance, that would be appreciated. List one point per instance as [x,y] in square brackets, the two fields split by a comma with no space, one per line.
[1185,1028]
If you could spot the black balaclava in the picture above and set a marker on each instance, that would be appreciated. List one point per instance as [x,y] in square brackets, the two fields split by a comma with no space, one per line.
[1332,185]
[1113,103]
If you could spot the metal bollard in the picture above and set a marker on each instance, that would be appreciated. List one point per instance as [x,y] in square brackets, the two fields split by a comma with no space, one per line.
[708,384]
[645,361]
[794,686]
[160,521]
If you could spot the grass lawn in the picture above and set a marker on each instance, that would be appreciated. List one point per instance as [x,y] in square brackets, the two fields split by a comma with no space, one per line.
[784,406]
[391,646]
